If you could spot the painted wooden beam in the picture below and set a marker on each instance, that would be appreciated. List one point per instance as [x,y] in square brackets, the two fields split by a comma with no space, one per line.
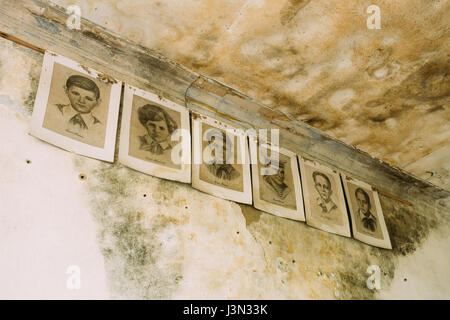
[40,25]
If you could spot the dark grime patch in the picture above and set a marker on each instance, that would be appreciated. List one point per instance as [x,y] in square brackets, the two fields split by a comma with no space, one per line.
[131,237]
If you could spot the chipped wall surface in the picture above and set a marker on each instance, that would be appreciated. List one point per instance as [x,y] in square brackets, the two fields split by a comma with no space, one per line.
[136,236]
[383,91]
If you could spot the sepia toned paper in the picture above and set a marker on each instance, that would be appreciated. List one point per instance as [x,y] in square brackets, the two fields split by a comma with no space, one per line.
[228,178]
[276,182]
[324,198]
[76,108]
[367,218]
[151,138]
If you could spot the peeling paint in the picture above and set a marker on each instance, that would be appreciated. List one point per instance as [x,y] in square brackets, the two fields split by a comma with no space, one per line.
[162,239]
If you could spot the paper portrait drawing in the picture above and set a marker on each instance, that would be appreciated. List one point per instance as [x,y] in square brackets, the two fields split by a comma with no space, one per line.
[276,182]
[221,161]
[149,135]
[221,168]
[365,216]
[324,202]
[278,187]
[75,109]
[151,130]
[324,198]
[365,210]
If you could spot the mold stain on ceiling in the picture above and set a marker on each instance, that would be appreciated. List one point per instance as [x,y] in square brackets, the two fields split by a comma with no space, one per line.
[383,91]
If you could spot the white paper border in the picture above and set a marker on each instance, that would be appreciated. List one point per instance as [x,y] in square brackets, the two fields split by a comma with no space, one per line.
[269,207]
[244,196]
[36,126]
[154,169]
[382,243]
[340,230]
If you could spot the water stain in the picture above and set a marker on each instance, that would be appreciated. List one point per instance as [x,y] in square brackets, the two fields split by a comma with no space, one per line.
[430,82]
[291,9]
[251,214]
[132,237]
[408,226]
[436,108]
[337,263]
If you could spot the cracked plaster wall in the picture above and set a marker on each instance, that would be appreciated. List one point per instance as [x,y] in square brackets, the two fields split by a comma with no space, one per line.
[136,236]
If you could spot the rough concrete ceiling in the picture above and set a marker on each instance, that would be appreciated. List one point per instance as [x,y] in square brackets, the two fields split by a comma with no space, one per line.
[383,91]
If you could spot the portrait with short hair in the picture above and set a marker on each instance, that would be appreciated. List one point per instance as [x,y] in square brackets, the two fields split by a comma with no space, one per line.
[366,214]
[76,108]
[324,198]
[155,136]
[222,167]
[221,161]
[276,181]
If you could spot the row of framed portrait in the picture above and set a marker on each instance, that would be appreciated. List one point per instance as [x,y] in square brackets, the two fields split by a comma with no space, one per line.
[77,109]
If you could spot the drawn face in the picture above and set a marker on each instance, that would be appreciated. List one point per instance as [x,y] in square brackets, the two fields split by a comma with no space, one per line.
[219,151]
[158,130]
[279,177]
[323,188]
[363,204]
[83,101]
